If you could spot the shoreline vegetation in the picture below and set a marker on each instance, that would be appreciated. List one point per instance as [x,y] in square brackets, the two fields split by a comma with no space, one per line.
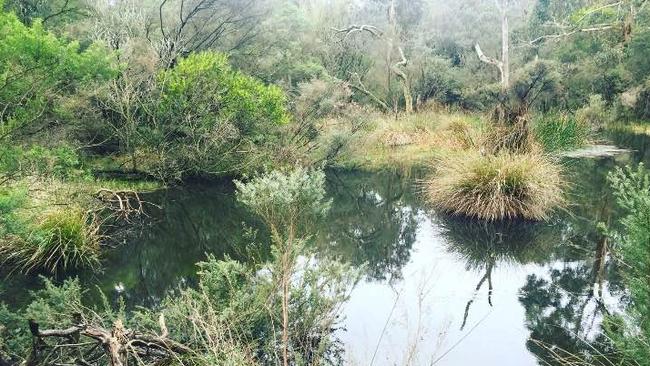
[103,101]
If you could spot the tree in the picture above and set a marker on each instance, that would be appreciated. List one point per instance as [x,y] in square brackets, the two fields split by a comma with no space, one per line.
[50,12]
[209,119]
[286,203]
[504,64]
[395,59]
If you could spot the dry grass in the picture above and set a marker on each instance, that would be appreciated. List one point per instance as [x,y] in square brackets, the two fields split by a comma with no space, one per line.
[475,174]
[412,141]
[495,187]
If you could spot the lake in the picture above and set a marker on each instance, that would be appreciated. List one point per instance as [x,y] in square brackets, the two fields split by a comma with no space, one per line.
[437,290]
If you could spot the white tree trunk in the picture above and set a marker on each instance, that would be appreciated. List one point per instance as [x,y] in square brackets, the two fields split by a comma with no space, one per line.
[505,48]
[504,64]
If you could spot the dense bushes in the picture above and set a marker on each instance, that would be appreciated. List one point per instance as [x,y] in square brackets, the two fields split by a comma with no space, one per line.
[60,162]
[39,72]
[200,117]
[283,311]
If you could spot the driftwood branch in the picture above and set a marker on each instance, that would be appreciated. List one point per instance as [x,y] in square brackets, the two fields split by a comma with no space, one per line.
[125,204]
[116,344]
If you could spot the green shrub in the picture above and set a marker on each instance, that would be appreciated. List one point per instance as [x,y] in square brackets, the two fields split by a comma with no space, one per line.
[285,201]
[305,311]
[227,319]
[495,187]
[59,162]
[53,306]
[594,114]
[10,201]
[209,119]
[558,132]
[38,71]
[631,334]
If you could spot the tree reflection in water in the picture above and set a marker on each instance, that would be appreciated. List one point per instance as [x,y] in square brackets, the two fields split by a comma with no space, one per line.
[373,221]
[485,245]
[575,283]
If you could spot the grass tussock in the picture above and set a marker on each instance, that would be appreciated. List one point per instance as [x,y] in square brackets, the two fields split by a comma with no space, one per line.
[48,226]
[61,240]
[495,187]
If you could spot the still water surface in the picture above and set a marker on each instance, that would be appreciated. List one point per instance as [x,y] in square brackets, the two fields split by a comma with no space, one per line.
[436,290]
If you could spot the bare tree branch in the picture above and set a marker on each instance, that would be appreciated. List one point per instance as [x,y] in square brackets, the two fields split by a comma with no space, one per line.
[374,31]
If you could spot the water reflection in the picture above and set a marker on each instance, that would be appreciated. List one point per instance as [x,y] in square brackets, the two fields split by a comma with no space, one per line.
[372,222]
[482,246]
[567,302]
[191,223]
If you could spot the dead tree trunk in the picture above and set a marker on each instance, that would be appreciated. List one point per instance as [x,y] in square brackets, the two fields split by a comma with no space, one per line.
[391,37]
[403,78]
[505,48]
[397,67]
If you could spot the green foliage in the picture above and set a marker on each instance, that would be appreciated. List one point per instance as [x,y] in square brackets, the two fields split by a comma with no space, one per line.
[561,132]
[206,84]
[210,119]
[60,162]
[37,71]
[594,114]
[14,338]
[68,238]
[440,82]
[56,240]
[285,200]
[631,334]
[54,306]
[55,12]
[226,320]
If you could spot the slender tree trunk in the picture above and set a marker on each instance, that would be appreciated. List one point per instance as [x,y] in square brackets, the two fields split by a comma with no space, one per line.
[397,67]
[285,316]
[287,270]
[505,48]
[390,45]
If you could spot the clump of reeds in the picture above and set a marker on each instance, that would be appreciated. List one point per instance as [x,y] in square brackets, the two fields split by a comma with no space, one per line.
[495,187]
[557,132]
